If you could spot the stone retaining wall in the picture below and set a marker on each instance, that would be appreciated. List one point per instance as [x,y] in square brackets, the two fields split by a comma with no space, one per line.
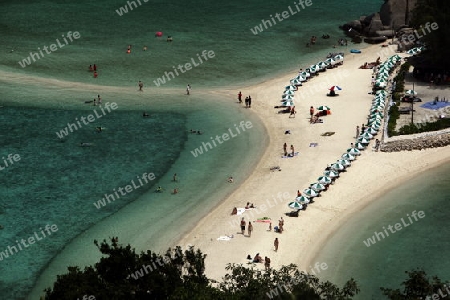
[418,141]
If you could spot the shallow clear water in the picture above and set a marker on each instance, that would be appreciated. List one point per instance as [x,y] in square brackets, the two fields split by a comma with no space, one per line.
[421,243]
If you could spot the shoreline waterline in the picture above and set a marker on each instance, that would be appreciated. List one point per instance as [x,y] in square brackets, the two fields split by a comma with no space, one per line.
[389,259]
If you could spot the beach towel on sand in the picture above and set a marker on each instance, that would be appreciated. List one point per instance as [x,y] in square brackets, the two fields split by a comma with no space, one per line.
[224,238]
[313,144]
[240,211]
[289,156]
[264,220]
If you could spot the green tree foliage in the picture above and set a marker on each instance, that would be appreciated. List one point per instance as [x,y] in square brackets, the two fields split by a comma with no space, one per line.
[120,274]
[437,41]
[417,286]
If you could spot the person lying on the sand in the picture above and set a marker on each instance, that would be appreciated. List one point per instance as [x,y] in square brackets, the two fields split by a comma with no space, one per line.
[315,119]
[248,206]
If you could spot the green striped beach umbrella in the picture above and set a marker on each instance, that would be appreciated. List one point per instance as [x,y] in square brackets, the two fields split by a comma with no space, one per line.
[375,121]
[363,140]
[288,92]
[295,205]
[411,93]
[323,107]
[310,193]
[372,130]
[296,82]
[322,65]
[330,61]
[312,69]
[324,180]
[353,151]
[337,167]
[331,173]
[375,126]
[345,162]
[287,103]
[376,115]
[366,135]
[348,156]
[290,88]
[305,74]
[360,146]
[317,187]
[303,199]
[338,58]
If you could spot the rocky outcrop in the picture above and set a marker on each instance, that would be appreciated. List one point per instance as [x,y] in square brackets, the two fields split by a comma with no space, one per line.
[393,15]
[397,13]
[420,142]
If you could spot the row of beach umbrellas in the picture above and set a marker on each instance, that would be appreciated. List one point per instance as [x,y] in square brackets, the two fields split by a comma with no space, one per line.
[333,170]
[384,70]
[288,94]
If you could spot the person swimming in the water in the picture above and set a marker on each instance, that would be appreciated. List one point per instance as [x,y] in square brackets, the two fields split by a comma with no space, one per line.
[145,114]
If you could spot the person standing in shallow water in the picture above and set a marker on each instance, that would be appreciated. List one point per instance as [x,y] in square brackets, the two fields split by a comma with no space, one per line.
[141,85]
[188,89]
[240,97]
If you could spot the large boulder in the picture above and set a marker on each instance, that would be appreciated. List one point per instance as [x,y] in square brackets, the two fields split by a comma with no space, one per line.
[374,25]
[396,13]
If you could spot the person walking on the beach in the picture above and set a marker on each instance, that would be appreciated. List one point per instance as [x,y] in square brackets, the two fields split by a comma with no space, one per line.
[298,193]
[292,149]
[270,226]
[267,263]
[311,111]
[275,243]
[249,101]
[357,132]
[141,85]
[250,229]
[242,225]
[188,90]
[285,149]
[246,101]
[292,112]
[240,97]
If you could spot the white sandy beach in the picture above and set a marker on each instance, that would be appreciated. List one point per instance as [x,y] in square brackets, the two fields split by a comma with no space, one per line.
[371,175]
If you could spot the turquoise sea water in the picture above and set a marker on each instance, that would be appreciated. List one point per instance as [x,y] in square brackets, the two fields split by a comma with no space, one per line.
[57,182]
[421,243]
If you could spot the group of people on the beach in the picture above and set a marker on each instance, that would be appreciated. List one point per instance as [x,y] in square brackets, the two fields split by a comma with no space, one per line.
[286,154]
[248,100]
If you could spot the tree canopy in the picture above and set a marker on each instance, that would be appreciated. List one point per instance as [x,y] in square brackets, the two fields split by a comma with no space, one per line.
[418,286]
[124,274]
[437,41]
